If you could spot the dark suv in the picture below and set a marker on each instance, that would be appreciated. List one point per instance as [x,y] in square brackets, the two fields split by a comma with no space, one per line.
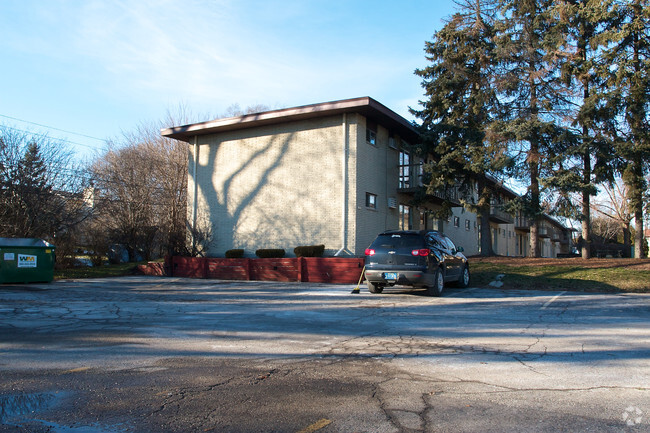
[426,259]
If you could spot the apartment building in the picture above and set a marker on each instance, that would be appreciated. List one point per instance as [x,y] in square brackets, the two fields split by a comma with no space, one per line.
[336,173]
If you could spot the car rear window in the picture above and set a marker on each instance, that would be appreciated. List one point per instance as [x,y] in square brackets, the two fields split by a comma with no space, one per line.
[400,240]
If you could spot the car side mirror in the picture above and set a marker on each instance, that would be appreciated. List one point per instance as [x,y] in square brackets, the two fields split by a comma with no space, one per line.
[459,249]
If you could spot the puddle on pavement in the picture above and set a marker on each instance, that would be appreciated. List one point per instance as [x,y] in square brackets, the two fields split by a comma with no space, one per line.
[56,428]
[17,410]
[12,406]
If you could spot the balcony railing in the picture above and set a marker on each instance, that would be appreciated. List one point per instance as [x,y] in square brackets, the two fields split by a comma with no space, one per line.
[556,235]
[450,194]
[499,216]
[410,179]
[564,237]
[522,223]
[410,176]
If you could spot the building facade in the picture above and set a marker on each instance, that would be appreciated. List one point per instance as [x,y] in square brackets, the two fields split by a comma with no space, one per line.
[335,173]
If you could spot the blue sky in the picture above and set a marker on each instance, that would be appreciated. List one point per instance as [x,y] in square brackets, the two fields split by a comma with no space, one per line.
[100,68]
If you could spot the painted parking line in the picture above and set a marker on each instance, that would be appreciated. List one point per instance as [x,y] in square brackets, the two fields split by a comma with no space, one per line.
[316,426]
[550,301]
[77,370]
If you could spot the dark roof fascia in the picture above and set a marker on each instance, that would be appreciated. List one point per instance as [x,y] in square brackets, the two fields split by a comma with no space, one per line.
[499,186]
[366,106]
[555,222]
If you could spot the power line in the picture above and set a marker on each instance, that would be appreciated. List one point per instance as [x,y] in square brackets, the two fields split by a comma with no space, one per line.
[66,141]
[92,177]
[62,140]
[52,127]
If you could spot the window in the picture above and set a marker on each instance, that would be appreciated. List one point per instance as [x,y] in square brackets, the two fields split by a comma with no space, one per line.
[371,200]
[405,221]
[404,170]
[456,221]
[371,137]
[467,225]
[371,133]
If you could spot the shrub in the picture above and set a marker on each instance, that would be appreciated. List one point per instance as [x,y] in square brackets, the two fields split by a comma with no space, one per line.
[235,254]
[270,253]
[309,251]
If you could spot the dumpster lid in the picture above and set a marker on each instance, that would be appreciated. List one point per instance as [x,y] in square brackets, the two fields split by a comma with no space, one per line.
[24,242]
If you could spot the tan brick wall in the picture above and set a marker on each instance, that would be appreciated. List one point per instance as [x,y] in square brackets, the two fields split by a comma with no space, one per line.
[277,186]
[281,186]
[507,239]
[377,173]
[468,239]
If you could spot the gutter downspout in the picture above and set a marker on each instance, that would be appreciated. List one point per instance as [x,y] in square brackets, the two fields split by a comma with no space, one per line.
[196,188]
[344,207]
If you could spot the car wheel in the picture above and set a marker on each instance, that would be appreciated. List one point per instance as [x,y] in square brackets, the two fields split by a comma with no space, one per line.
[375,288]
[438,284]
[463,280]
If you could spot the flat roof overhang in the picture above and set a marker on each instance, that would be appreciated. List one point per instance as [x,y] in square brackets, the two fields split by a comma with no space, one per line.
[365,106]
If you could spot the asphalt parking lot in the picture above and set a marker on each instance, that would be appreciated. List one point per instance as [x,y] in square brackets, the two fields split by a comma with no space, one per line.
[146,354]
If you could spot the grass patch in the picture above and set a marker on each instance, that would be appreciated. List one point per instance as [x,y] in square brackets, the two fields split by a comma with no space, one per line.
[118,270]
[561,277]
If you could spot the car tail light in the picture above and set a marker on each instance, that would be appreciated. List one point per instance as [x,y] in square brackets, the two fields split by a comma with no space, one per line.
[421,252]
[370,252]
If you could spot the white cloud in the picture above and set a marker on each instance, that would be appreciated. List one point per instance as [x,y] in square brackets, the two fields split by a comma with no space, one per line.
[199,51]
[112,64]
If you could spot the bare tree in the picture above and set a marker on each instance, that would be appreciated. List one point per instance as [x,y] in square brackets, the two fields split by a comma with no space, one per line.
[613,205]
[235,110]
[125,198]
[141,189]
[41,187]
[141,183]
[606,228]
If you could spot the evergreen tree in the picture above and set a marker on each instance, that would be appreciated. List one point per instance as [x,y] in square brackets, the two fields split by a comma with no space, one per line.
[582,23]
[533,97]
[40,190]
[33,190]
[458,109]
[41,211]
[627,70]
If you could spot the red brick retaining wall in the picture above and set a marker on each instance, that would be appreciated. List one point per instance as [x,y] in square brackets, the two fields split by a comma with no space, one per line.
[305,269]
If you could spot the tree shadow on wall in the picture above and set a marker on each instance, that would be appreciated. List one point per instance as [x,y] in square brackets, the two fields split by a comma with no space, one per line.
[232,195]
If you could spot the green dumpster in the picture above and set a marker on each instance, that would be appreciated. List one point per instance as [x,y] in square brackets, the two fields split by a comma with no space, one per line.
[24,260]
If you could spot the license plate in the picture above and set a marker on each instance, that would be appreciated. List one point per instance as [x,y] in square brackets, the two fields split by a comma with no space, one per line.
[391,275]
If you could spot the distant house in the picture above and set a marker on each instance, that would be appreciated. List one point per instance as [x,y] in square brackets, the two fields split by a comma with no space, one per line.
[335,173]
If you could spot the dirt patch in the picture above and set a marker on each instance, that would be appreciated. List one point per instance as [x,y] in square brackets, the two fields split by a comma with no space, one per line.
[634,264]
